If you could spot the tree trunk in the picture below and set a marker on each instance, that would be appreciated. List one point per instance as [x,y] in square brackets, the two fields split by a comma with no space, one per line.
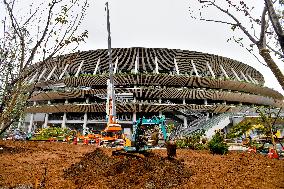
[7,116]
[272,65]
[5,126]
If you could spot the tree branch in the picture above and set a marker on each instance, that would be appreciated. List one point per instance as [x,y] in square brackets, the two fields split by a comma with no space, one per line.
[261,41]
[43,35]
[238,23]
[217,21]
[275,51]
[275,23]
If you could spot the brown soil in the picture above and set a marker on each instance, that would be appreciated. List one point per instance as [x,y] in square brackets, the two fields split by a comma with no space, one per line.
[79,166]
[127,172]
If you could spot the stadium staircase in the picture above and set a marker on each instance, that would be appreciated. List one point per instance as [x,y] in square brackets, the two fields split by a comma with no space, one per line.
[209,125]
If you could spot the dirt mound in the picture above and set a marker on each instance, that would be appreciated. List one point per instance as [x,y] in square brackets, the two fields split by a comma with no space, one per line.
[97,170]
[11,150]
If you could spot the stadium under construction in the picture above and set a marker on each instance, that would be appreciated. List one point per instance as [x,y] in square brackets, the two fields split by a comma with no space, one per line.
[191,89]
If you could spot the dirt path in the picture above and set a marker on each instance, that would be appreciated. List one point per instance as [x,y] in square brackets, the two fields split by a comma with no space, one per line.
[78,166]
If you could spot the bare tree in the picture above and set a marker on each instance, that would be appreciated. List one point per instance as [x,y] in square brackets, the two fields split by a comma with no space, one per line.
[30,34]
[265,32]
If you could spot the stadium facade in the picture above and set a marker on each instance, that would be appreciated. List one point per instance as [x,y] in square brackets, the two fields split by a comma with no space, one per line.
[187,87]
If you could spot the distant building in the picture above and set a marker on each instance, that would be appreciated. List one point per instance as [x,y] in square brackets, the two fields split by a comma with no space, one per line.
[187,87]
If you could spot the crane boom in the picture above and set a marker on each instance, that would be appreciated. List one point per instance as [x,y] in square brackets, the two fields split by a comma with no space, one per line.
[112,125]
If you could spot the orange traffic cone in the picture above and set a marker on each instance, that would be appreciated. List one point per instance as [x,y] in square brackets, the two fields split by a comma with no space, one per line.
[86,141]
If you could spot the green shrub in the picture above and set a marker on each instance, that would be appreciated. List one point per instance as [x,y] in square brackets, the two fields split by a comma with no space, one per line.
[180,143]
[49,132]
[192,141]
[200,146]
[217,144]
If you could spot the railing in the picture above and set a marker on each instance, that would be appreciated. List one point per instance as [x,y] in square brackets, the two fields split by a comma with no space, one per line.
[215,120]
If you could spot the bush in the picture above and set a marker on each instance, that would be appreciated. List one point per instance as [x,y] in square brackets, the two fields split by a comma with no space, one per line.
[217,144]
[200,147]
[180,143]
[46,133]
[192,141]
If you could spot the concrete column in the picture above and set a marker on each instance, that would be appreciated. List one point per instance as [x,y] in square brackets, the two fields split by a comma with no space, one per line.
[134,117]
[185,118]
[243,75]
[66,101]
[224,72]
[185,122]
[157,66]
[31,123]
[33,78]
[134,98]
[205,102]
[115,66]
[50,74]
[46,117]
[63,72]
[63,125]
[79,68]
[97,66]
[87,100]
[255,81]
[45,121]
[207,116]
[250,78]
[42,73]
[236,75]
[85,123]
[160,102]
[194,68]
[210,69]
[176,66]
[136,65]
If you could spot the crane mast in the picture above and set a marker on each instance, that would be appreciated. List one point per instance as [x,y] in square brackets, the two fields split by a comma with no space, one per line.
[111,106]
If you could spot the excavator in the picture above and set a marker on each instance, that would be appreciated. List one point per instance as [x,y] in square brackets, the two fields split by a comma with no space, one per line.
[139,140]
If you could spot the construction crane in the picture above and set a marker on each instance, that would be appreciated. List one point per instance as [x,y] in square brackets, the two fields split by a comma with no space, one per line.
[112,125]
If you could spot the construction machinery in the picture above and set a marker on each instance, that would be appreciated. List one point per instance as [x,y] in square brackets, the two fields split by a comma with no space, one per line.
[113,129]
[140,140]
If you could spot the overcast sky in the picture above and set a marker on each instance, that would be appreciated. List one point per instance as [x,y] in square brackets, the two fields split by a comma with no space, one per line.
[166,24]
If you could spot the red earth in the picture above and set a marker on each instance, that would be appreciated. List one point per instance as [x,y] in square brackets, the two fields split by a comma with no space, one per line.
[61,165]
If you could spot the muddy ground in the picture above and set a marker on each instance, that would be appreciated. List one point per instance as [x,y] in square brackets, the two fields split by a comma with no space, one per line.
[58,165]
